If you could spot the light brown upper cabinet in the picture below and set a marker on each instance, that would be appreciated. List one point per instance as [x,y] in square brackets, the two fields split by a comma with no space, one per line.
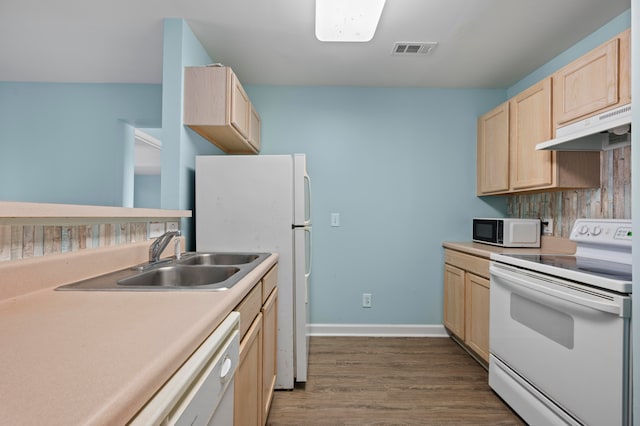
[254,129]
[530,124]
[217,107]
[596,82]
[493,150]
[240,106]
[510,164]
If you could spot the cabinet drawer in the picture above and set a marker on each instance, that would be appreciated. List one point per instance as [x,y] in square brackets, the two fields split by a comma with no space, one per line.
[474,264]
[249,308]
[269,282]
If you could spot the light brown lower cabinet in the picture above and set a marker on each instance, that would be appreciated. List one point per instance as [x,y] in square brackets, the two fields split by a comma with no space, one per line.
[256,374]
[248,380]
[477,314]
[269,351]
[454,300]
[466,301]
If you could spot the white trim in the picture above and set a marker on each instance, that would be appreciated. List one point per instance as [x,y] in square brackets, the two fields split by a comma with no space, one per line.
[147,139]
[378,330]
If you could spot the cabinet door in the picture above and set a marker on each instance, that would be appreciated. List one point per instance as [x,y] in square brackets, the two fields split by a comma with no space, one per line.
[530,124]
[454,300]
[493,151]
[624,67]
[254,128]
[205,96]
[269,351]
[588,84]
[247,406]
[477,314]
[239,107]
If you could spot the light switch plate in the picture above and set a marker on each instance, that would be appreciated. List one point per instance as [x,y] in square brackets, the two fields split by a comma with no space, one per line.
[366,300]
[335,219]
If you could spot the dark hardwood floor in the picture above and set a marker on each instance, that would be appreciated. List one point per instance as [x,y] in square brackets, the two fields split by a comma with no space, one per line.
[391,381]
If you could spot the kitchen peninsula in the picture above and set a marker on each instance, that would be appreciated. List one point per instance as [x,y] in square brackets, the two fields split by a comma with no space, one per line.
[95,357]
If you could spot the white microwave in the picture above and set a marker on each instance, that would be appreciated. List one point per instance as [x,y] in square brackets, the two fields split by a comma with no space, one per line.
[509,232]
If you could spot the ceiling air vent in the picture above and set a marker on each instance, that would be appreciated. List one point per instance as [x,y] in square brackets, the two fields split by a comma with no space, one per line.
[413,48]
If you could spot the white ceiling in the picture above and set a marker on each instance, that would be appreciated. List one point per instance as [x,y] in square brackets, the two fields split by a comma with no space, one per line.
[482,43]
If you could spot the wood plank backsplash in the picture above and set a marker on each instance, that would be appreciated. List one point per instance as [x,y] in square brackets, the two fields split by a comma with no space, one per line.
[611,201]
[24,241]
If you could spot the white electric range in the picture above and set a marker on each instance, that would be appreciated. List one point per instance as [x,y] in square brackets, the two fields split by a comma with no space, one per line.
[560,329]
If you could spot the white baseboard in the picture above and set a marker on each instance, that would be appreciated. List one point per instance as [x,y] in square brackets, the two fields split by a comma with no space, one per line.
[378,330]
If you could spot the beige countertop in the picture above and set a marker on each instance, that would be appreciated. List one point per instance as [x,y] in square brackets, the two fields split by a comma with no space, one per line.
[80,358]
[548,245]
[44,212]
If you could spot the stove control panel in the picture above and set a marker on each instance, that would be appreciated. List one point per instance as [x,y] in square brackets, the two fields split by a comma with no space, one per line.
[612,232]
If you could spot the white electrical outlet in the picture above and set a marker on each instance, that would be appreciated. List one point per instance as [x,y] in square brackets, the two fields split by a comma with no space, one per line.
[366,300]
[156,229]
[547,229]
[172,226]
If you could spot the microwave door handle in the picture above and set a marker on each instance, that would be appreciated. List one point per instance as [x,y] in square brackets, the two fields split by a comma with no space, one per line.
[526,287]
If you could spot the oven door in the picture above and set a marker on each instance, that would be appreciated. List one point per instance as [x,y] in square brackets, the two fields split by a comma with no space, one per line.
[567,341]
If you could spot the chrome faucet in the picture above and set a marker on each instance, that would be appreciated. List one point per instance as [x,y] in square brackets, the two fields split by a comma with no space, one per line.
[157,247]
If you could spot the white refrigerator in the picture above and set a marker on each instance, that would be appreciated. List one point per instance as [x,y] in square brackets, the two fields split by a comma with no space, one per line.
[262,204]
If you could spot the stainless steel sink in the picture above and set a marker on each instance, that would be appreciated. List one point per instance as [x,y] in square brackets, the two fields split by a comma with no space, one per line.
[194,271]
[183,276]
[218,258]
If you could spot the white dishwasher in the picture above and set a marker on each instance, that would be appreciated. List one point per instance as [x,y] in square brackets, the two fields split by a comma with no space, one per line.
[201,391]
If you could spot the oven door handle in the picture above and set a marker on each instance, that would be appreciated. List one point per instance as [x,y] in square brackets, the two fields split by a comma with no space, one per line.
[517,284]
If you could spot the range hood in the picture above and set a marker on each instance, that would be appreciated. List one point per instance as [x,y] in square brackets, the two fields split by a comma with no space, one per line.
[609,130]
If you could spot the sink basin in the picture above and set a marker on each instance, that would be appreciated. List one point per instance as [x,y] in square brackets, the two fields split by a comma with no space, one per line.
[218,258]
[182,276]
[207,271]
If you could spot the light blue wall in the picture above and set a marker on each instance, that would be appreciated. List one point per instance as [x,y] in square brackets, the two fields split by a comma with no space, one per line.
[66,143]
[397,164]
[179,144]
[147,191]
[399,167]
[606,32]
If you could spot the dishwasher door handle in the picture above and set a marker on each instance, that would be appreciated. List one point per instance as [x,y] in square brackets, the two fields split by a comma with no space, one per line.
[227,365]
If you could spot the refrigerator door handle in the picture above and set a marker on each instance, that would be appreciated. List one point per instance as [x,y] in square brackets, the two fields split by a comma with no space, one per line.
[308,272]
[307,195]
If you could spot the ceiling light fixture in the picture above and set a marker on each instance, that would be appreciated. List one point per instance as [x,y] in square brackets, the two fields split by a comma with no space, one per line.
[347,20]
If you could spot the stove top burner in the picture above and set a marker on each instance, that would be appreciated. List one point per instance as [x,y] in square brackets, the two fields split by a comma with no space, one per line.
[602,258]
[602,268]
